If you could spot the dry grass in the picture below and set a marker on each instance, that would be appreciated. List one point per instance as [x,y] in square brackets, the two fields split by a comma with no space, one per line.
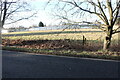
[67,43]
[59,34]
[94,39]
[54,31]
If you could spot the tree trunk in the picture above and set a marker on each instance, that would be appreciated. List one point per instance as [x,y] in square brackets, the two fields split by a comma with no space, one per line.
[107,40]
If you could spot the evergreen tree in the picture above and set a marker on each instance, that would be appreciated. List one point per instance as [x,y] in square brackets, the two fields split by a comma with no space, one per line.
[41,24]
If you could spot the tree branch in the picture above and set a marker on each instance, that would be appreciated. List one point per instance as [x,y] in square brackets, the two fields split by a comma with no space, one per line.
[117,12]
[21,19]
[92,3]
[118,3]
[4,14]
[76,5]
[109,5]
[101,16]
[103,13]
[98,25]
[12,11]
[116,30]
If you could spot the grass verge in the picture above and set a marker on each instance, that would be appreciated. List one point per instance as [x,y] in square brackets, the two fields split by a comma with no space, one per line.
[85,54]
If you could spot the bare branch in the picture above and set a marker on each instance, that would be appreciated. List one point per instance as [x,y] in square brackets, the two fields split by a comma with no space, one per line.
[109,5]
[22,19]
[117,12]
[4,13]
[116,30]
[76,5]
[117,5]
[101,16]
[8,10]
[92,3]
[103,13]
[8,14]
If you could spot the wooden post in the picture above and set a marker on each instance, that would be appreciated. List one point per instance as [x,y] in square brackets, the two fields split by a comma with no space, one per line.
[84,40]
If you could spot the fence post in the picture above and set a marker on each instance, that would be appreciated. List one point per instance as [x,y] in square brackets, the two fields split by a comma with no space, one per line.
[84,40]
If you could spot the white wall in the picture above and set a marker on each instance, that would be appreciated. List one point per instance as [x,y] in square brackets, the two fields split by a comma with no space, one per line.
[4,31]
[58,27]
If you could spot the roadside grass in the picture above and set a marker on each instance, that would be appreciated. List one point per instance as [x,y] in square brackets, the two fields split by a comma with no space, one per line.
[85,54]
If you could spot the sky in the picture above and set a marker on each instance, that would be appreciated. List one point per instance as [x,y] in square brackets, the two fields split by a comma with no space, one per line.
[44,14]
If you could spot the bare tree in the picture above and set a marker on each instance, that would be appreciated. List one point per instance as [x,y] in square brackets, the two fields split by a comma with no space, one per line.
[11,12]
[106,10]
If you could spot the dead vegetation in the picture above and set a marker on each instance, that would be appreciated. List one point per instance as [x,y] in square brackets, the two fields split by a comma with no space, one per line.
[66,44]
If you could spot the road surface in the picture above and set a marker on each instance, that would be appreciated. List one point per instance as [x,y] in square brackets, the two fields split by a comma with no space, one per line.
[26,65]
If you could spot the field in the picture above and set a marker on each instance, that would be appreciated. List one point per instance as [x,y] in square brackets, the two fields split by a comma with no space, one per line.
[68,42]
[77,34]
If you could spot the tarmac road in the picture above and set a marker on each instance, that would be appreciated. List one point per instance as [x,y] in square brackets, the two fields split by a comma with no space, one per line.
[26,65]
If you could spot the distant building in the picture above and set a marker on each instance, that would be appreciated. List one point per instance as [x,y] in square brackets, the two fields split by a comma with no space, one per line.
[75,26]
[4,31]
